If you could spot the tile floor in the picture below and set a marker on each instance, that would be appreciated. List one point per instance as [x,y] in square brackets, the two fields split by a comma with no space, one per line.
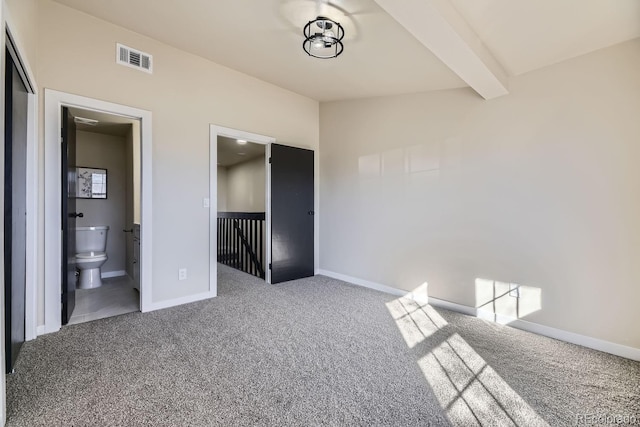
[116,296]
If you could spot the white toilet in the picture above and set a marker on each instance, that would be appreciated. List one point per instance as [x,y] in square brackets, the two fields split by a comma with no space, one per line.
[91,254]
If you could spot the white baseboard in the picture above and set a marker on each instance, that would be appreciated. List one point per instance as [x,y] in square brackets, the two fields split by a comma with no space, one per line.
[362,282]
[107,274]
[179,301]
[40,330]
[536,328]
[583,340]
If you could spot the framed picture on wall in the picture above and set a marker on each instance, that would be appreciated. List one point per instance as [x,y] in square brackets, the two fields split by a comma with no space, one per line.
[92,183]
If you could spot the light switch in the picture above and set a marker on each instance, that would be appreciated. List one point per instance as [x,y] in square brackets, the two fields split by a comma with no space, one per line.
[205,202]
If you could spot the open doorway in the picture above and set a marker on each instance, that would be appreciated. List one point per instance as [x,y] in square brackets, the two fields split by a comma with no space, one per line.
[101,191]
[232,136]
[54,261]
[289,224]
[241,205]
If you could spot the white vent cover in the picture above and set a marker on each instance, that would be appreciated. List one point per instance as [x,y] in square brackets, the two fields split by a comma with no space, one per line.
[134,58]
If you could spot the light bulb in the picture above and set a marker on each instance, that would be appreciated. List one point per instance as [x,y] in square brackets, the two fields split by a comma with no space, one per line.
[328,36]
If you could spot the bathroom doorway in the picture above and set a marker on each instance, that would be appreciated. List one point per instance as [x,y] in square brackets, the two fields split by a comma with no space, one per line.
[101,205]
[53,256]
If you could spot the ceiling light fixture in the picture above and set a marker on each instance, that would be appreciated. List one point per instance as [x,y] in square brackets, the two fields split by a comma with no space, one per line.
[323,38]
[241,141]
[85,121]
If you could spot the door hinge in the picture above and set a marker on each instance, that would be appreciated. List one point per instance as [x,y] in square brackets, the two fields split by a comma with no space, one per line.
[269,160]
[269,266]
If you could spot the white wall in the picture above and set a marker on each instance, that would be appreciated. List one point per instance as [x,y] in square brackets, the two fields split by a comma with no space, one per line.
[540,187]
[222,189]
[108,152]
[76,54]
[22,14]
[246,189]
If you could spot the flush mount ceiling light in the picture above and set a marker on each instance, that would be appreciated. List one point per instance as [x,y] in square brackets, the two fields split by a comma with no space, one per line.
[85,121]
[323,38]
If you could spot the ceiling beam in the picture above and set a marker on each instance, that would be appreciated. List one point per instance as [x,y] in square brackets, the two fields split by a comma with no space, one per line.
[440,27]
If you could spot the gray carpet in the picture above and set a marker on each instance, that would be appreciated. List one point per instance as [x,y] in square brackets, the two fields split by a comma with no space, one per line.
[315,351]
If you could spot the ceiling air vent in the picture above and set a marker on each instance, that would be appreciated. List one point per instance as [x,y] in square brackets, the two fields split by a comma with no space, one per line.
[133,58]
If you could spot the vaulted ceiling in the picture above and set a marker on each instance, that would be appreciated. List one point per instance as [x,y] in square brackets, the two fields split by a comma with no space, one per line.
[391,47]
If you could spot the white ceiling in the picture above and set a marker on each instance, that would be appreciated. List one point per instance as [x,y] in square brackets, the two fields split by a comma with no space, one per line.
[525,35]
[231,153]
[263,38]
[109,124]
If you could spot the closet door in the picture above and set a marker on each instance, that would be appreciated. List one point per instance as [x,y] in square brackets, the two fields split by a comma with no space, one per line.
[15,209]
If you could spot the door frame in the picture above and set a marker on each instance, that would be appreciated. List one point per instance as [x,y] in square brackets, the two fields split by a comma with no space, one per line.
[214,132]
[54,101]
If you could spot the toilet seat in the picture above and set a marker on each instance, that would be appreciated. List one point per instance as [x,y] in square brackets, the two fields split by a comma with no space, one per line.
[91,256]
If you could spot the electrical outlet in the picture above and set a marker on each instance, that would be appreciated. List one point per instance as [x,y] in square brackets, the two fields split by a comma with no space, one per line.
[205,203]
[182,274]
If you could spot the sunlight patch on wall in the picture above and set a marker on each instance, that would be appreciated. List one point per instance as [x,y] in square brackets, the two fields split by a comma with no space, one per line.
[421,295]
[470,391]
[504,302]
[369,166]
[417,159]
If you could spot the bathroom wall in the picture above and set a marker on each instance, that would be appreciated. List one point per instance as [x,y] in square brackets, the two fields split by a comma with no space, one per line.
[246,186]
[106,152]
[222,189]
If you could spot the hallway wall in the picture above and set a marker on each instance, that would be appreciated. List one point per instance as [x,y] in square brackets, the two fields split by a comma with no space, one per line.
[222,188]
[245,190]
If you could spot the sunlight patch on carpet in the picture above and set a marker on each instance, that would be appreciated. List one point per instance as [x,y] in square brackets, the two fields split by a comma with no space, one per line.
[416,321]
[470,391]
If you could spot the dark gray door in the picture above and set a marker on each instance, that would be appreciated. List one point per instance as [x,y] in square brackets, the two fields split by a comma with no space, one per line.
[68,215]
[291,213]
[15,209]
